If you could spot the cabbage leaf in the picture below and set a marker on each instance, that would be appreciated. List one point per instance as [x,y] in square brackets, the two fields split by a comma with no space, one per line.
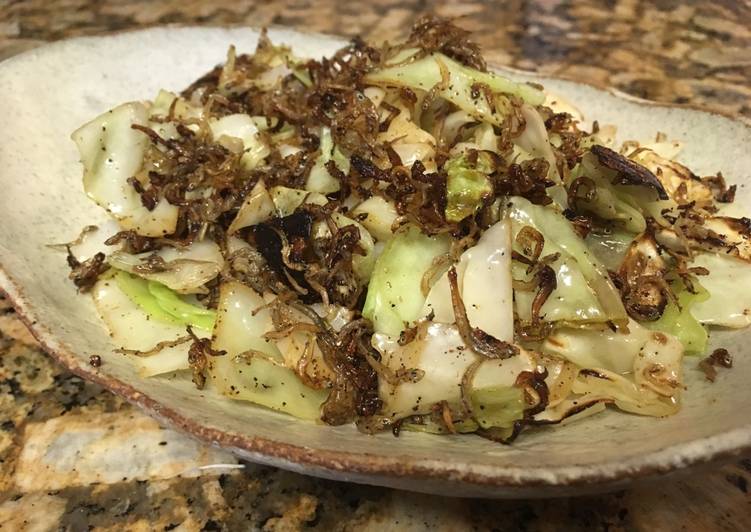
[408,139]
[584,291]
[606,201]
[256,208]
[163,304]
[467,185]
[185,270]
[729,302]
[394,296]
[362,264]
[134,326]
[252,368]
[378,216]
[609,247]
[177,307]
[679,321]
[112,152]
[243,128]
[319,179]
[287,200]
[626,204]
[426,73]
[439,351]
[535,141]
[679,182]
[497,406]
[182,110]
[639,370]
[484,281]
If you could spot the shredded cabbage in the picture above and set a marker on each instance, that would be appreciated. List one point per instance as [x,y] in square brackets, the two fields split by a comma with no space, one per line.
[243,128]
[678,320]
[626,204]
[163,304]
[252,368]
[112,152]
[394,296]
[410,142]
[543,267]
[599,347]
[609,247]
[639,370]
[362,264]
[497,406]
[257,207]
[674,176]
[319,179]
[728,303]
[431,427]
[535,142]
[287,200]
[426,73]
[467,185]
[607,202]
[378,216]
[484,282]
[133,327]
[584,290]
[624,394]
[438,351]
[177,307]
[182,109]
[185,270]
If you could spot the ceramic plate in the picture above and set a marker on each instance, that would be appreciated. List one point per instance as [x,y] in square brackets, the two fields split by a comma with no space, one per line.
[50,91]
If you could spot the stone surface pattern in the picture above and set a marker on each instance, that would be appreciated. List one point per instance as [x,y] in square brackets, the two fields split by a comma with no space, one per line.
[76,457]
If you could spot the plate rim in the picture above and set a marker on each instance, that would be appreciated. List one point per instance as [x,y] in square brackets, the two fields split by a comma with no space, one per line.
[332,464]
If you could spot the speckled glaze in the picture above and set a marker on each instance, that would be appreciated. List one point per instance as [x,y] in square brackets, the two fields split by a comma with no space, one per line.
[50,91]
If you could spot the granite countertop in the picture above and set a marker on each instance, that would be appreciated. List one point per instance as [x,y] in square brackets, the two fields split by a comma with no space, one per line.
[73,456]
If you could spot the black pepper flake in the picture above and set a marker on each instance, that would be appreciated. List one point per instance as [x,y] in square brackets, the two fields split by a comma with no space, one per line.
[95,361]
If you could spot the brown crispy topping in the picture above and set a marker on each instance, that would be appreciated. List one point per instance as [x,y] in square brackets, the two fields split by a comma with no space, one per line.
[528,179]
[721,191]
[719,357]
[198,354]
[434,34]
[628,172]
[641,279]
[85,274]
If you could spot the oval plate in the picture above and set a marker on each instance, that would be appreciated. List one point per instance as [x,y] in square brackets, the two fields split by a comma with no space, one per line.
[50,91]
